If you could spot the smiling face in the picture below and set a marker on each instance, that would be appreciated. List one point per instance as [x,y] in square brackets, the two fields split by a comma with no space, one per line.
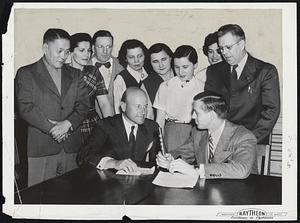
[82,53]
[184,68]
[161,62]
[213,55]
[135,58]
[56,52]
[232,48]
[135,107]
[103,48]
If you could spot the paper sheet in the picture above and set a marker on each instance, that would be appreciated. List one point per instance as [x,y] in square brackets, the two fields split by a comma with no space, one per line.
[143,171]
[177,180]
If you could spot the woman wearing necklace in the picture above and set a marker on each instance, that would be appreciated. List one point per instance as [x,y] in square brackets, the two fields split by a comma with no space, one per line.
[81,52]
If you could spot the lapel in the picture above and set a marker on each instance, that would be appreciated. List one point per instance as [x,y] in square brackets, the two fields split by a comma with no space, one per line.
[45,78]
[66,80]
[225,75]
[203,142]
[248,74]
[141,139]
[222,150]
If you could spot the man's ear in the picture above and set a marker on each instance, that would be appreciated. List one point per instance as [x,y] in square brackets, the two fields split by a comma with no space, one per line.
[123,106]
[94,49]
[195,66]
[45,47]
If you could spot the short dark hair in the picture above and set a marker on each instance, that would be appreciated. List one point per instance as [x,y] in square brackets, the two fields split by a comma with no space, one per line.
[234,29]
[209,40]
[186,51]
[53,34]
[131,44]
[101,33]
[158,47]
[77,38]
[213,102]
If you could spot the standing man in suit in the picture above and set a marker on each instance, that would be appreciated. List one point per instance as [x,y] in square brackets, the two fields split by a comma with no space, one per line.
[108,65]
[217,148]
[251,86]
[118,142]
[53,101]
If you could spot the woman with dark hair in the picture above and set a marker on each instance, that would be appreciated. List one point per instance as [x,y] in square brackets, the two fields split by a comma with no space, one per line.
[210,49]
[174,98]
[161,60]
[80,48]
[132,56]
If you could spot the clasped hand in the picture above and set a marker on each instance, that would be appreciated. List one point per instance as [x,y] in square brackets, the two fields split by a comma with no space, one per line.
[167,161]
[59,131]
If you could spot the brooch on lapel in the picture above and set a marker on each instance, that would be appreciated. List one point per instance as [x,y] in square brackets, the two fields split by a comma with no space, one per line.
[250,89]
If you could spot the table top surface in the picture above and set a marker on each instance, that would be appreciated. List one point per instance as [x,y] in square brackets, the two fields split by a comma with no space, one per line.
[87,185]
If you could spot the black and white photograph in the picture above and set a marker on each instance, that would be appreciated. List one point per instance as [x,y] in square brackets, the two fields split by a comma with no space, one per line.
[179,111]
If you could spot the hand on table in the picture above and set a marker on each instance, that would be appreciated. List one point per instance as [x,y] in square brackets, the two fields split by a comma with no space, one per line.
[164,160]
[126,165]
[181,166]
[59,132]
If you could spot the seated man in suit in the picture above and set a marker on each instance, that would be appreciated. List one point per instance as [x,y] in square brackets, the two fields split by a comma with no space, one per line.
[219,148]
[118,142]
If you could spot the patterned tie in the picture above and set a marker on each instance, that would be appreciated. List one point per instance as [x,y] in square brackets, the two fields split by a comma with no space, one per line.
[132,143]
[107,64]
[210,149]
[233,72]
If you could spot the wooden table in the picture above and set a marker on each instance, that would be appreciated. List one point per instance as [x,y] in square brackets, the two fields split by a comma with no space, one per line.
[87,185]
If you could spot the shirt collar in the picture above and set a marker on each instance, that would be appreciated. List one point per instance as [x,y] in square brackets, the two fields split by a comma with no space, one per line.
[217,133]
[128,125]
[241,65]
[95,60]
[137,75]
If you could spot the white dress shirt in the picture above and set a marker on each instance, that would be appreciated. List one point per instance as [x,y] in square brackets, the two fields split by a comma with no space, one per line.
[106,72]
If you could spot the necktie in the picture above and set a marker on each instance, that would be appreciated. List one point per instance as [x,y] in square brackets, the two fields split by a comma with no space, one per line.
[132,143]
[107,64]
[210,149]
[233,72]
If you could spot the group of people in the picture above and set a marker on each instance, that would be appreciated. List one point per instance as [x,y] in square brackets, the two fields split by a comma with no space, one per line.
[107,111]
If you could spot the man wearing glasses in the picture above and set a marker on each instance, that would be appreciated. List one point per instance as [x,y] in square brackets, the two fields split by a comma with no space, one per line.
[251,86]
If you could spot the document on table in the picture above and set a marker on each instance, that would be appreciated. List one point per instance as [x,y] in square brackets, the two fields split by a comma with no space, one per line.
[140,171]
[177,180]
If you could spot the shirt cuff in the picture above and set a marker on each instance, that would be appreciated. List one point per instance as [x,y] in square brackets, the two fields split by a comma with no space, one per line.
[201,171]
[102,164]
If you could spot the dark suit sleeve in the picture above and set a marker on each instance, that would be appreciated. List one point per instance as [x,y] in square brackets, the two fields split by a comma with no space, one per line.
[270,103]
[81,104]
[155,146]
[96,147]
[28,110]
[239,166]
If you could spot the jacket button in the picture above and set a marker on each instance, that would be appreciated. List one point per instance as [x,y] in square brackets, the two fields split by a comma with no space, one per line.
[62,108]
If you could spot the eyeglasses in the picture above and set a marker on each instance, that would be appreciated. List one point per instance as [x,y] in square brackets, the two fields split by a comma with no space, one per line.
[227,48]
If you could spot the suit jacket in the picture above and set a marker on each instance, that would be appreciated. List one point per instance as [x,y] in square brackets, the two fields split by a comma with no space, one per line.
[254,99]
[109,138]
[39,100]
[234,157]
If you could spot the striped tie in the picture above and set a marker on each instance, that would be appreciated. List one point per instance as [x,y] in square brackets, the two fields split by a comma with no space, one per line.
[210,149]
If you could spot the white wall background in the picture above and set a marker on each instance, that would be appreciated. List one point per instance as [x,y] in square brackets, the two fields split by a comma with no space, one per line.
[263,28]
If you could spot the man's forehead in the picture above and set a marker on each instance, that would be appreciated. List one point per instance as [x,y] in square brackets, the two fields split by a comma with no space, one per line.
[104,39]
